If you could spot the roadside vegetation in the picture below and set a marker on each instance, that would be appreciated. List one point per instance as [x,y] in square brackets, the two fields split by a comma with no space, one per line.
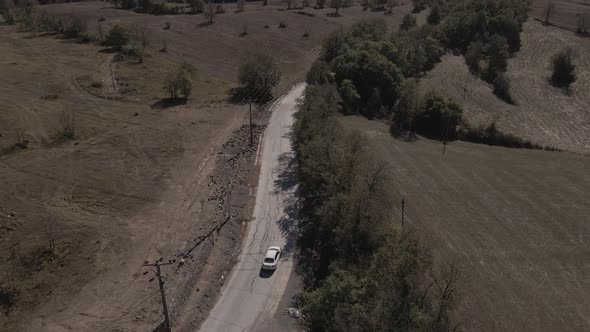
[362,271]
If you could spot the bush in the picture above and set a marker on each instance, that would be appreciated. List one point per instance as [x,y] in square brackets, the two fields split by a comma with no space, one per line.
[282,24]
[197,6]
[258,76]
[128,4]
[180,83]
[68,125]
[563,68]
[319,73]
[440,118]
[497,56]
[117,37]
[435,15]
[491,135]
[75,27]
[220,9]
[408,22]
[502,88]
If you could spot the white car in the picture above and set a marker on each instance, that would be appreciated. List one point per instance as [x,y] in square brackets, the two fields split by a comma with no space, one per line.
[271,259]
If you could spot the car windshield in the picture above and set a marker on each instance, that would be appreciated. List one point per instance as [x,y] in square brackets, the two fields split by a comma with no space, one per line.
[269,260]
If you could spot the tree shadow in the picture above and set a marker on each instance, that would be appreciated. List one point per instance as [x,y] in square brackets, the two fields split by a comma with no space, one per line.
[204,24]
[167,103]
[265,274]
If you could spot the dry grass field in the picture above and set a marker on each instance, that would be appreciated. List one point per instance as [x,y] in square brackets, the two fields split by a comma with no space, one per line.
[564,12]
[543,114]
[134,182]
[515,221]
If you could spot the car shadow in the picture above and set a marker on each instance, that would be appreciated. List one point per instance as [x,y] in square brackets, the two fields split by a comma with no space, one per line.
[265,274]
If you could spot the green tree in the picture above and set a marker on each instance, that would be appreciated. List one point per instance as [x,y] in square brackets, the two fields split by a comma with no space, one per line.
[369,70]
[563,68]
[408,22]
[406,107]
[435,15]
[473,55]
[439,118]
[258,76]
[497,55]
[350,96]
[197,6]
[319,73]
[117,37]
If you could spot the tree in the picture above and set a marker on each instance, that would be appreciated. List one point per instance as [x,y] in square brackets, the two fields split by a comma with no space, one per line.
[117,37]
[390,4]
[408,22]
[319,73]
[439,118]
[180,83]
[435,15]
[336,4]
[563,68]
[582,23]
[502,87]
[197,6]
[507,26]
[549,7]
[349,95]
[241,5]
[497,55]
[406,107]
[370,71]
[473,55]
[290,3]
[258,75]
[210,11]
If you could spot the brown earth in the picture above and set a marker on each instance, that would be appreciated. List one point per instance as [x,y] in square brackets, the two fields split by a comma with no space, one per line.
[136,182]
[515,221]
[543,114]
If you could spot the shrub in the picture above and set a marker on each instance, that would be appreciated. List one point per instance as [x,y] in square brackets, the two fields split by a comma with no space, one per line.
[258,76]
[497,56]
[408,22]
[435,15]
[282,24]
[491,135]
[180,83]
[502,87]
[439,118]
[197,6]
[75,27]
[128,4]
[117,37]
[220,9]
[68,125]
[563,68]
[582,23]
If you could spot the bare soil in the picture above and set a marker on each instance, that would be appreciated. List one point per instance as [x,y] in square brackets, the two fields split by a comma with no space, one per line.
[543,114]
[515,221]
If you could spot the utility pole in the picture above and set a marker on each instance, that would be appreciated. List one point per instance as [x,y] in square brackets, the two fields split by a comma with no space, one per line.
[158,264]
[403,207]
[250,110]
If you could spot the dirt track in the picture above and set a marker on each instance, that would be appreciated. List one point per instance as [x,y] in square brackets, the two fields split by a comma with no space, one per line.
[515,221]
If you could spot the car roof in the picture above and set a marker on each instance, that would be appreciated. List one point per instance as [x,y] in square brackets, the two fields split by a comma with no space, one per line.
[271,252]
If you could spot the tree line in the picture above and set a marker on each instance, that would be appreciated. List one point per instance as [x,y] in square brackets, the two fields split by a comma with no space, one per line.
[362,272]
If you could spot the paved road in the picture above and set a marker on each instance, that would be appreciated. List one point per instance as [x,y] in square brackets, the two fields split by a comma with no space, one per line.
[251,296]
